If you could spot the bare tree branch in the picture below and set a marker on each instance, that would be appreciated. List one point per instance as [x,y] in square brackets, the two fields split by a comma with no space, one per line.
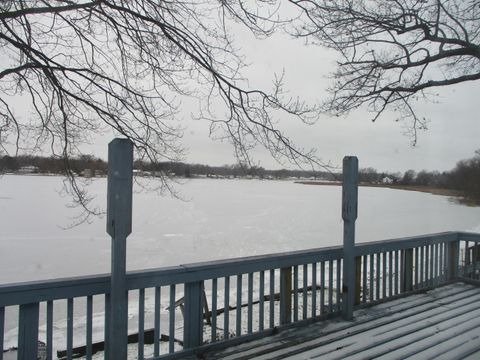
[85,66]
[393,51]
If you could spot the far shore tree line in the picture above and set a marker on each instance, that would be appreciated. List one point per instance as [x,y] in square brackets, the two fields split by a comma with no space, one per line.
[464,178]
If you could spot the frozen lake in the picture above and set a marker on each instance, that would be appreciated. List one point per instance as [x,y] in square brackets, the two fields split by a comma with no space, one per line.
[218,219]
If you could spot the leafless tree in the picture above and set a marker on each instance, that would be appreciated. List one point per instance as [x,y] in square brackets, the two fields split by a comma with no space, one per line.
[89,66]
[394,52]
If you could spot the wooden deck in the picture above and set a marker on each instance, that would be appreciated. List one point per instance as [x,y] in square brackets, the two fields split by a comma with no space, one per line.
[443,323]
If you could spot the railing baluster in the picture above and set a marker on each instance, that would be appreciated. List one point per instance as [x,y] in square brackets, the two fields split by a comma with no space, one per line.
[339,277]
[465,259]
[156,321]
[432,264]
[295,293]
[358,280]
[378,274]
[193,314]
[371,289]
[408,270]
[49,330]
[475,259]
[89,327]
[305,285]
[364,279]
[422,262]
[435,264]
[416,274]
[250,303]
[384,275]
[2,331]
[238,321]
[314,289]
[402,271]
[322,286]
[171,320]
[28,331]
[272,299]
[442,263]
[107,327]
[390,274]
[214,309]
[397,270]
[330,286]
[69,328]
[141,323]
[427,265]
[226,306]
[261,316]
[286,295]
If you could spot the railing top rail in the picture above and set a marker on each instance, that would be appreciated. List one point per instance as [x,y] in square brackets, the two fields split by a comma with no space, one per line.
[35,291]
[469,236]
[31,292]
[406,242]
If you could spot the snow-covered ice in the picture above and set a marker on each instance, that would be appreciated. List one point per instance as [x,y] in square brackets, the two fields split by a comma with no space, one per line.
[217,219]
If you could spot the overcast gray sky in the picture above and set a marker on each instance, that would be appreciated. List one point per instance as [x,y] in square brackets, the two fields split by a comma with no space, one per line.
[453,133]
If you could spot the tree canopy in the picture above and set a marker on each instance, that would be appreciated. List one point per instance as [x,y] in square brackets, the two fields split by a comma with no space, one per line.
[394,52]
[71,69]
[86,66]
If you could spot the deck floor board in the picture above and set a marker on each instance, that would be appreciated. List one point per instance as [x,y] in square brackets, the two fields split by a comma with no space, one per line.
[441,323]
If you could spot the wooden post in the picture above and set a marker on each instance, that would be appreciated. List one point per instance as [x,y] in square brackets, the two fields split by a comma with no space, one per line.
[119,226]
[358,279]
[286,295]
[28,332]
[349,215]
[193,316]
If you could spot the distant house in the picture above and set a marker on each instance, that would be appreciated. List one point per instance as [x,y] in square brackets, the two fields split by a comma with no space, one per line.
[387,180]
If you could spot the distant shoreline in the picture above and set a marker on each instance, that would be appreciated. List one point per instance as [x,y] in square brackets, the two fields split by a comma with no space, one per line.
[418,188]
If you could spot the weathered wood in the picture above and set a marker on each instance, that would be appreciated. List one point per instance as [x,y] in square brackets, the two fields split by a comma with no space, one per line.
[89,315]
[250,304]
[286,295]
[119,226]
[171,319]
[238,320]
[349,215]
[38,291]
[214,309]
[226,301]
[271,321]
[2,331]
[49,328]
[28,332]
[261,292]
[141,323]
[156,321]
[314,290]
[295,293]
[69,328]
[304,295]
[107,326]
[148,338]
[408,271]
[193,320]
[336,337]
[358,279]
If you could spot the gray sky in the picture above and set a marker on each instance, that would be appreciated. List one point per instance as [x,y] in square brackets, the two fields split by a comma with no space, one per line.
[453,134]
